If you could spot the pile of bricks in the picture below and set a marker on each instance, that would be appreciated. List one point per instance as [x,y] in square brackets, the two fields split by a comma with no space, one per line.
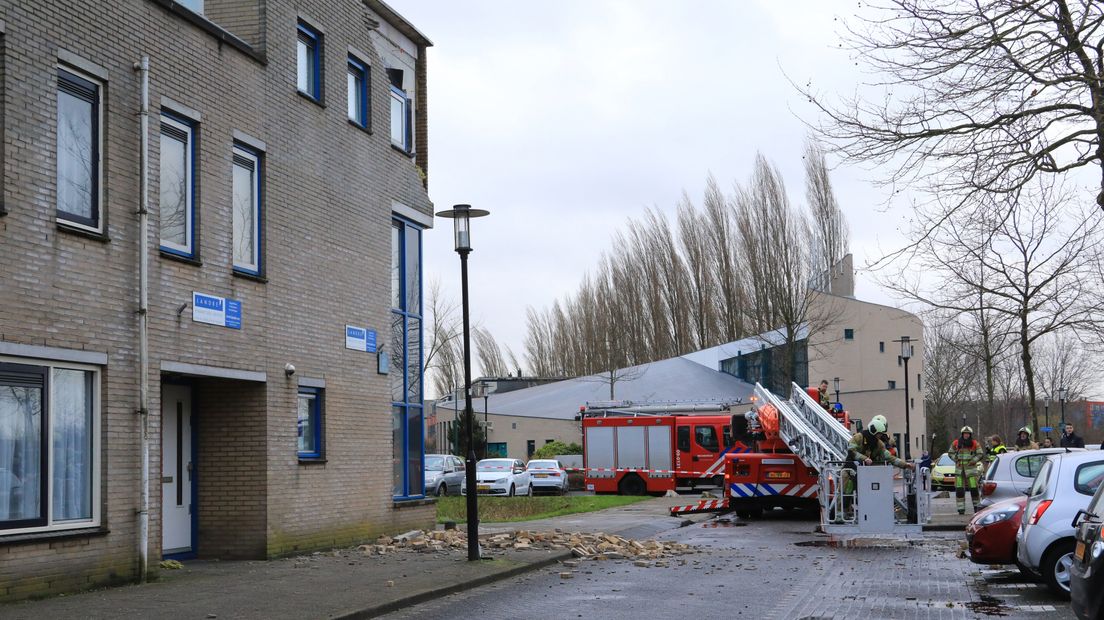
[596,546]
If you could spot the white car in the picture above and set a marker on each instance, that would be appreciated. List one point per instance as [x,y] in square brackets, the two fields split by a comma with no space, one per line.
[1010,475]
[1045,541]
[548,475]
[500,477]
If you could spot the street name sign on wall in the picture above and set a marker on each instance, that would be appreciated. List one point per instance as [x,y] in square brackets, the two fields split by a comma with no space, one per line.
[216,310]
[360,339]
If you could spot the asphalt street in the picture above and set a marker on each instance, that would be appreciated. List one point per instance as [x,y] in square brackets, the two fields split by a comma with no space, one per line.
[774,568]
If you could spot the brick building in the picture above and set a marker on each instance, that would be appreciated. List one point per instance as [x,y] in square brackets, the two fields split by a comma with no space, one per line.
[286,167]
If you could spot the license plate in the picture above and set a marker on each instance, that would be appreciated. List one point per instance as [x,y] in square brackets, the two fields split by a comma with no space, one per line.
[778,474]
[1079,552]
[540,475]
[483,487]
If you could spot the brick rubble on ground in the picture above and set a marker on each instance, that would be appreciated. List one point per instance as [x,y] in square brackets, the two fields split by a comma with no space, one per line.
[593,546]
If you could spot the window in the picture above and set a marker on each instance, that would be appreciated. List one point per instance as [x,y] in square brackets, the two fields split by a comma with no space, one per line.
[706,437]
[177,187]
[893,385]
[848,334]
[881,347]
[1088,477]
[1029,466]
[1039,486]
[49,424]
[309,423]
[401,135]
[357,80]
[684,438]
[247,211]
[530,449]
[406,352]
[309,57]
[78,151]
[919,378]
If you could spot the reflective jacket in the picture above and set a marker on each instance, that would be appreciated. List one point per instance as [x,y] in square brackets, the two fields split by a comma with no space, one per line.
[966,455]
[859,450]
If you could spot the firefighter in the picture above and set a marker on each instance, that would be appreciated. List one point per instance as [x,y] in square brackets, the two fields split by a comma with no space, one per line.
[822,396]
[967,453]
[1023,440]
[866,448]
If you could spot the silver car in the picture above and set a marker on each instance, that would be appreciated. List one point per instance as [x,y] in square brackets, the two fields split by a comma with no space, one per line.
[1011,474]
[1044,542]
[443,474]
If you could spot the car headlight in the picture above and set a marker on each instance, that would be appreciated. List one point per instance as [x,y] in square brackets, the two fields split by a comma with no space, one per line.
[500,481]
[997,517]
[1097,549]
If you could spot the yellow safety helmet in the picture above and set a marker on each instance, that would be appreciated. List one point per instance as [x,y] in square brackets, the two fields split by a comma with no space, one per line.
[967,429]
[878,424]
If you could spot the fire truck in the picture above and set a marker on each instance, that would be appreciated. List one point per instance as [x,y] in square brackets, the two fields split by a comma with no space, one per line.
[654,447]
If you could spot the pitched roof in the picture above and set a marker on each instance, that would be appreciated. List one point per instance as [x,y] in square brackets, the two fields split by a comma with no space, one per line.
[670,379]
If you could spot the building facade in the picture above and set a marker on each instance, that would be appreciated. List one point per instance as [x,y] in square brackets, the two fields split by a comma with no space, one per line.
[278,390]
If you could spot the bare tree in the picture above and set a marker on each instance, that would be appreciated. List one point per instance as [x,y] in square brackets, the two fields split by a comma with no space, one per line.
[949,376]
[976,96]
[831,237]
[1063,361]
[488,353]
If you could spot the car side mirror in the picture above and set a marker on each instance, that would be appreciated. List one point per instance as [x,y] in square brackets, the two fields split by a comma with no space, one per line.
[1077,518]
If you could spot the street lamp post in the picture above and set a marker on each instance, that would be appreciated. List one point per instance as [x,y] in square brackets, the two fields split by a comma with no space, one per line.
[461,217]
[906,353]
[1046,413]
[835,383]
[1062,401]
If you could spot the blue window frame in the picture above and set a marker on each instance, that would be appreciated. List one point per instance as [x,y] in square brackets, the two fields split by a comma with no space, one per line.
[309,61]
[405,376]
[177,186]
[246,204]
[309,423]
[357,83]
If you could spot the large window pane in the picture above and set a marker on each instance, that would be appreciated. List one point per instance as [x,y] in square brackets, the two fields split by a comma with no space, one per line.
[413,270]
[308,440]
[396,267]
[305,65]
[77,149]
[245,210]
[21,409]
[175,187]
[398,119]
[414,468]
[72,445]
[398,361]
[413,360]
[397,443]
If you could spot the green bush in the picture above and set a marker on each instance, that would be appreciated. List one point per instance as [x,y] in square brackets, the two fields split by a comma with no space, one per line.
[550,450]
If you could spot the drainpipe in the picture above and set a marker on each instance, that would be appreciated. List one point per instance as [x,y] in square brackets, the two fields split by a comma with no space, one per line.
[143,322]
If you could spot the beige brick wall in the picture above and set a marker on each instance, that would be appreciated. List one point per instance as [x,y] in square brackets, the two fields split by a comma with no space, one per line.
[328,189]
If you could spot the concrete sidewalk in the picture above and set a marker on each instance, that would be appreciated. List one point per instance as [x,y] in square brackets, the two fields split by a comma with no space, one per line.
[344,583]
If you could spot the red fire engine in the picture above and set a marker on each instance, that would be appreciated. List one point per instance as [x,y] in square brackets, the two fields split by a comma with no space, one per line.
[632,449]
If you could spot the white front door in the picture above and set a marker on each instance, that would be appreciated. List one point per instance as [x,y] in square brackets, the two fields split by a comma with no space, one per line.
[176,468]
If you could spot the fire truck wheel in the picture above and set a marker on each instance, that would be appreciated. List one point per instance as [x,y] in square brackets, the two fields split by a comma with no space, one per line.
[750,512]
[632,485]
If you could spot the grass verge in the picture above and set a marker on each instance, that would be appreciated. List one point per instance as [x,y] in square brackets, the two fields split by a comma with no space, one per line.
[507,509]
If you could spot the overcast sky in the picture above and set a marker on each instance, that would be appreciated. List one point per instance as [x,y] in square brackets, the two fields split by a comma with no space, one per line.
[566,119]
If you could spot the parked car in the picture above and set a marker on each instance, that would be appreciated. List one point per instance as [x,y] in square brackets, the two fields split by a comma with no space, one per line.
[548,475]
[1045,541]
[500,477]
[1011,474]
[443,474]
[991,533]
[1087,569]
[943,472]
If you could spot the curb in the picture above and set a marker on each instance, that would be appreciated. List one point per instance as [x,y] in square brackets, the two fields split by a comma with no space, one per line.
[945,527]
[422,597]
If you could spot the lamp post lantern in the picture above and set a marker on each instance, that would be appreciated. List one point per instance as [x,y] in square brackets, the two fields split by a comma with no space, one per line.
[461,218]
[835,383]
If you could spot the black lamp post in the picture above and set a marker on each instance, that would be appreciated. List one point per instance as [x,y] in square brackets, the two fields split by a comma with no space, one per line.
[461,218]
[1046,413]
[835,383]
[906,353]
[1062,400]
[486,424]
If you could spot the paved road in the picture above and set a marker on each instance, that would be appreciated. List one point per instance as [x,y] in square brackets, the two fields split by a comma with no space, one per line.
[765,569]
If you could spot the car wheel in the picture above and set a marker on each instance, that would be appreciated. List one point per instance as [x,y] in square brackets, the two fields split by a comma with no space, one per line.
[1056,568]
[511,493]
[1026,572]
[442,490]
[529,492]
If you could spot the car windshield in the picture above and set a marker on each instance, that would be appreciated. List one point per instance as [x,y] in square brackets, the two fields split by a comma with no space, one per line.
[945,461]
[435,463]
[543,465]
[494,465]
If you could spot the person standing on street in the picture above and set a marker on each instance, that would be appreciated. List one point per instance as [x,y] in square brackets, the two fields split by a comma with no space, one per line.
[967,452]
[996,448]
[1023,440]
[1071,439]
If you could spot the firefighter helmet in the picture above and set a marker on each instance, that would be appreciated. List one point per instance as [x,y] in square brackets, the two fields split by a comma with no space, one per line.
[878,424]
[1024,430]
[967,429]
